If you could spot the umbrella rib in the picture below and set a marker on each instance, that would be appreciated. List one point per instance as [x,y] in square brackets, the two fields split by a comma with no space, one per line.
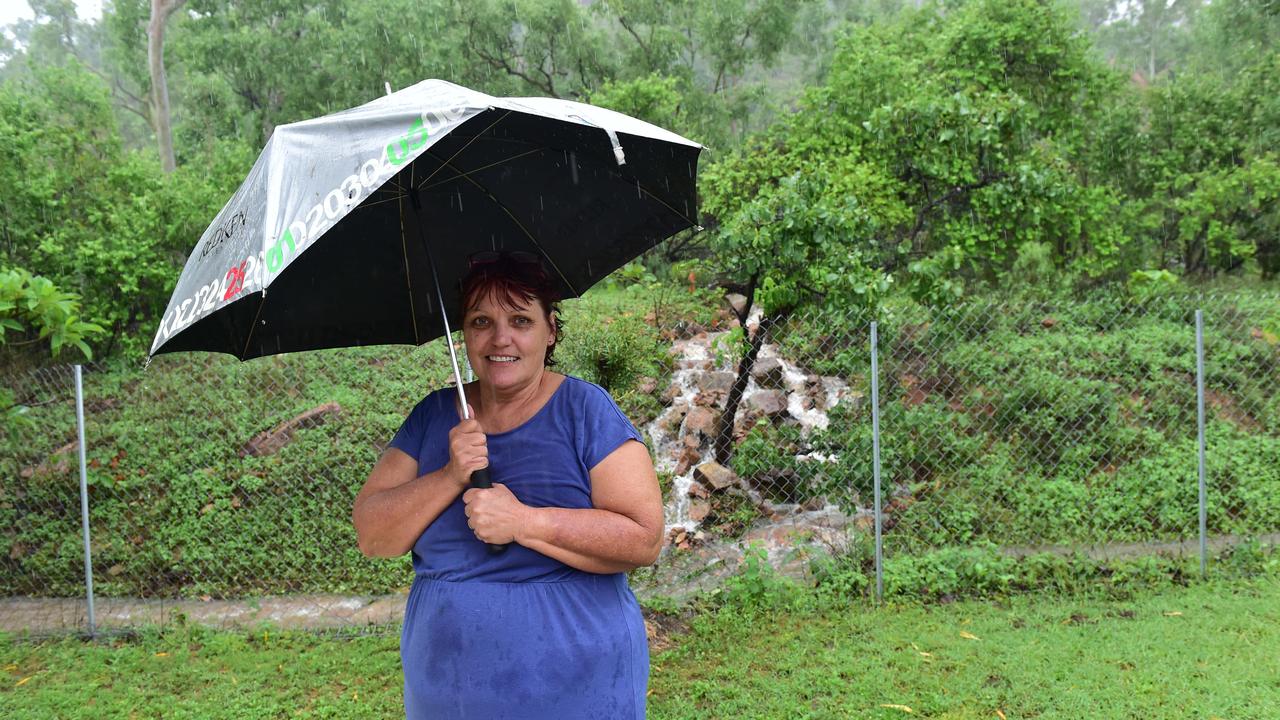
[424,186]
[408,276]
[394,198]
[459,150]
[254,325]
[519,224]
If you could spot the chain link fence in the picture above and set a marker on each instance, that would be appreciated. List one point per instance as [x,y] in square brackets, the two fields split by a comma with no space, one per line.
[221,491]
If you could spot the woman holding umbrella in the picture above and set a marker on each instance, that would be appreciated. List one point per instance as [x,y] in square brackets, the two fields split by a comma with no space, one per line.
[548,627]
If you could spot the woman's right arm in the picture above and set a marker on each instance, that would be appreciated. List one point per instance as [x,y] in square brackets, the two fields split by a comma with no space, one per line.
[396,504]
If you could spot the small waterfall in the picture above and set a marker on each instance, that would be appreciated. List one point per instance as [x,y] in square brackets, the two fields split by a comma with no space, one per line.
[693,357]
[673,440]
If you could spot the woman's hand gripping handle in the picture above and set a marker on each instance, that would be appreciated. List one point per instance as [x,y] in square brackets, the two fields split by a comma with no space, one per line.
[469,460]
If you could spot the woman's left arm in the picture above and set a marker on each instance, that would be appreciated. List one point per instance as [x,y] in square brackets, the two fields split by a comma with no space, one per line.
[622,531]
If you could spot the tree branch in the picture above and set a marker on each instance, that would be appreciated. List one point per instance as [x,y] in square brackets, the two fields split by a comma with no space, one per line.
[502,64]
[981,182]
[648,55]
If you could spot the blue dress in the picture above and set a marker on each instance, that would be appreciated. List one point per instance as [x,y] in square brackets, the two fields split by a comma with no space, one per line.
[520,635]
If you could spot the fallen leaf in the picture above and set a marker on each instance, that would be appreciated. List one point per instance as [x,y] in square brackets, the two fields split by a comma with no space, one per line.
[162,654]
[1175,613]
[969,635]
[7,668]
[23,681]
[1000,715]
[903,708]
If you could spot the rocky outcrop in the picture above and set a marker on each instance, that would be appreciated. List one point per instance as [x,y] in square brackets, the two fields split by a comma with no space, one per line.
[709,501]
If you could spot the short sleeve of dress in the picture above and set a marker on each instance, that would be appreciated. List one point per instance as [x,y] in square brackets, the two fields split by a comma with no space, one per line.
[413,431]
[605,427]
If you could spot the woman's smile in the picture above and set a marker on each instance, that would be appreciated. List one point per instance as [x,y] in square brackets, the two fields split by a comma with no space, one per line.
[507,340]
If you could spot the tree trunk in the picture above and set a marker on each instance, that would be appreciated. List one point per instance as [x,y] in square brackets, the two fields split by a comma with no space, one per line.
[724,431]
[160,12]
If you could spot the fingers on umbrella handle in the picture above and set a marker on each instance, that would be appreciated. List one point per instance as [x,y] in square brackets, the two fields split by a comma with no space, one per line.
[480,479]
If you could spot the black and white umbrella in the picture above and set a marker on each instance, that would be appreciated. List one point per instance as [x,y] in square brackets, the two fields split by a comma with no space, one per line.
[330,240]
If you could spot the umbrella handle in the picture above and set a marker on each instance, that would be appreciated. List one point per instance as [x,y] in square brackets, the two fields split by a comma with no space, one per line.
[480,479]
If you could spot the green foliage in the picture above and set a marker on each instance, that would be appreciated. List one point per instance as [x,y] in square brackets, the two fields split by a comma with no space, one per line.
[175,514]
[940,145]
[96,220]
[1079,430]
[614,347]
[757,586]
[32,305]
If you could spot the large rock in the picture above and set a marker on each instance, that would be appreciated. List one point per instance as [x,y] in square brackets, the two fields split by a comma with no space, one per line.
[700,420]
[737,302]
[269,442]
[715,476]
[745,421]
[669,421]
[769,373]
[646,385]
[669,395]
[771,403]
[699,509]
[779,485]
[716,382]
[687,458]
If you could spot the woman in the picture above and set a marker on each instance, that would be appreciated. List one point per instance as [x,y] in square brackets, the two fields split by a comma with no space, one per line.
[548,628]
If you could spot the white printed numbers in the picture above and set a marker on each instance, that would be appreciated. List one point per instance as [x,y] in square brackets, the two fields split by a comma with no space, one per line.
[353,189]
[333,204]
[371,172]
[252,272]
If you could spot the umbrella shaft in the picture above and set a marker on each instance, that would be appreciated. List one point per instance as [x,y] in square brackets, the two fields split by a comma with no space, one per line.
[415,203]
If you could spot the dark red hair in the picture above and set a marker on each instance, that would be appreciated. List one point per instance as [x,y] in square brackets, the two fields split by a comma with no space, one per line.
[509,281]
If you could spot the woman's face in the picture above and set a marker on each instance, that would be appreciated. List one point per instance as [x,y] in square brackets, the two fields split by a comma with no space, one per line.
[507,341]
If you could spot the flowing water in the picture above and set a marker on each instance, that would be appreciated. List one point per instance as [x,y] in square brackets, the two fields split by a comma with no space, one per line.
[696,357]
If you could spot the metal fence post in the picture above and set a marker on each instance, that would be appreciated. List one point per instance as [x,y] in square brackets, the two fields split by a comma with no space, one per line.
[84,499]
[875,456]
[1204,504]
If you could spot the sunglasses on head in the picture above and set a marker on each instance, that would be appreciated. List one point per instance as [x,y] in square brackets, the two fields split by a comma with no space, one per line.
[488,257]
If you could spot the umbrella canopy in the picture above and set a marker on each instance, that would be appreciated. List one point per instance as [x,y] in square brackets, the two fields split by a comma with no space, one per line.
[325,244]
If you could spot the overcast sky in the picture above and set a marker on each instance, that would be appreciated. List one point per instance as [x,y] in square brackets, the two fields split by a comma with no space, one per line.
[13,10]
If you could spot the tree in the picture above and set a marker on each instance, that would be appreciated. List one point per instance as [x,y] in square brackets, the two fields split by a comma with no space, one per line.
[718,53]
[794,229]
[160,12]
[1143,36]
[93,218]
[940,145]
[548,46]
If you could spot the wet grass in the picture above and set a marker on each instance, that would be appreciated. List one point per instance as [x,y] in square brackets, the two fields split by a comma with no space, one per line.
[1204,651]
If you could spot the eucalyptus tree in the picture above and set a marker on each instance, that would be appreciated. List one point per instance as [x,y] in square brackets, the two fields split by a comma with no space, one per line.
[1148,37]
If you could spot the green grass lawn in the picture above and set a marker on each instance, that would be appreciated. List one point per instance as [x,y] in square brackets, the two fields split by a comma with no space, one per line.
[1201,652]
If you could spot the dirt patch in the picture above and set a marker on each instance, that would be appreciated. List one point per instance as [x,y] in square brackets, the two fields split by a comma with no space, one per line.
[1225,407]
[663,629]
